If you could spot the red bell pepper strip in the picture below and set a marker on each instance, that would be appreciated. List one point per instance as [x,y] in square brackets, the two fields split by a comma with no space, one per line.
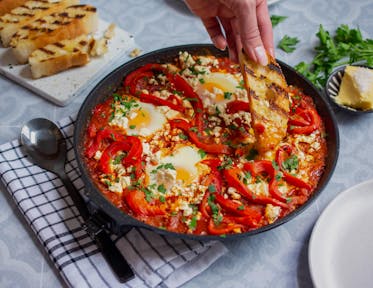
[131,145]
[136,201]
[207,147]
[182,85]
[315,123]
[265,166]
[237,208]
[281,154]
[296,181]
[236,106]
[130,78]
[102,135]
[149,98]
[142,75]
[214,179]
[231,175]
[222,228]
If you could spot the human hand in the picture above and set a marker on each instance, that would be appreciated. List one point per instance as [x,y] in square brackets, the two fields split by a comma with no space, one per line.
[246,24]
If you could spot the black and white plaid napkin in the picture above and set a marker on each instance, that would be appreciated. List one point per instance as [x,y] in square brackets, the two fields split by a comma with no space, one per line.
[158,261]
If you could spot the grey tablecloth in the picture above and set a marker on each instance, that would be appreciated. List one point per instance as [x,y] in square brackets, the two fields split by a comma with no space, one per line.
[277,258]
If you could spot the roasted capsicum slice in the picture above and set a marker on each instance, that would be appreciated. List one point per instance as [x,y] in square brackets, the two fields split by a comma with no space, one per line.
[232,177]
[212,148]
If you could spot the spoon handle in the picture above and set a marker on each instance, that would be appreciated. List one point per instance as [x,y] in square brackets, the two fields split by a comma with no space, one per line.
[96,230]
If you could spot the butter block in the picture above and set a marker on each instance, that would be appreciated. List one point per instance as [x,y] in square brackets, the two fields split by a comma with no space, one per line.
[356,89]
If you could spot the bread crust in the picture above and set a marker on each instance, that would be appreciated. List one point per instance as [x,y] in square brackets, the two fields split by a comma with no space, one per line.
[72,22]
[58,64]
[8,5]
[30,11]
[268,100]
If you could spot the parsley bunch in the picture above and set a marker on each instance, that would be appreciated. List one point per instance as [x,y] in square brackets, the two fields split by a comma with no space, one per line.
[346,47]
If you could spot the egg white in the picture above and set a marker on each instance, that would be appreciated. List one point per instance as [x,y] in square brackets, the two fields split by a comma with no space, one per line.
[185,171]
[215,84]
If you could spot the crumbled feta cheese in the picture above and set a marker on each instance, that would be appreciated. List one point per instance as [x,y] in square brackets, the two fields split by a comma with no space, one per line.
[120,121]
[98,155]
[272,213]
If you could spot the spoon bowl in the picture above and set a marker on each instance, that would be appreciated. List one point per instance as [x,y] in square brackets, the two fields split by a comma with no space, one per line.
[44,142]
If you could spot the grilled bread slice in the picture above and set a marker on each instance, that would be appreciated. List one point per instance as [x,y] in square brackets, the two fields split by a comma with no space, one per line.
[60,56]
[8,5]
[71,23]
[269,101]
[27,13]
[65,54]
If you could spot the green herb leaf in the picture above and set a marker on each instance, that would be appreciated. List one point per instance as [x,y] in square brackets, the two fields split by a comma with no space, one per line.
[193,223]
[227,95]
[212,188]
[161,188]
[202,153]
[291,163]
[241,207]
[276,19]
[346,47]
[288,43]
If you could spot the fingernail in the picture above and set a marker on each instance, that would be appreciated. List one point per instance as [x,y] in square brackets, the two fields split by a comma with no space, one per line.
[261,55]
[271,52]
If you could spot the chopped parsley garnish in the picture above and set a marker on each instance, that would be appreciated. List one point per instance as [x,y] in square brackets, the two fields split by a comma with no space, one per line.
[291,163]
[193,223]
[227,95]
[241,85]
[163,166]
[162,199]
[212,188]
[118,159]
[183,136]
[148,194]
[288,43]
[202,153]
[227,163]
[275,165]
[161,188]
[132,126]
[241,207]
[201,80]
[193,129]
[278,176]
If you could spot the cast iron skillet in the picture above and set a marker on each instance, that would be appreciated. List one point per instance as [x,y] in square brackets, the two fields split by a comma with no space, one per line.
[120,221]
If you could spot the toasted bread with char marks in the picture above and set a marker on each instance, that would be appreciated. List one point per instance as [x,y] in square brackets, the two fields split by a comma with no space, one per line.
[8,5]
[72,22]
[30,11]
[269,101]
[60,56]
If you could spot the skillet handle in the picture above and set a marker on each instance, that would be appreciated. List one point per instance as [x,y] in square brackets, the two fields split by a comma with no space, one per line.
[114,258]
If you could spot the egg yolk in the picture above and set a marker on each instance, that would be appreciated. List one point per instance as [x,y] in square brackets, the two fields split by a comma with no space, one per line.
[142,119]
[183,175]
[209,86]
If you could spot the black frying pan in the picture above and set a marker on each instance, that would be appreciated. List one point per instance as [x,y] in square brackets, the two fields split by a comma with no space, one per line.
[120,221]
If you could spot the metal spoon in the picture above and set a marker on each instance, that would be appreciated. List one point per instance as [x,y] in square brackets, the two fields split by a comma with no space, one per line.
[45,144]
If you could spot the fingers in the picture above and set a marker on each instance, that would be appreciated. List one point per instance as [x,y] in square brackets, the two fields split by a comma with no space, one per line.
[246,14]
[265,27]
[232,38]
[213,28]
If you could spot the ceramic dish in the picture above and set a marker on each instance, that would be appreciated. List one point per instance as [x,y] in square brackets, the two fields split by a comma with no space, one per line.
[341,244]
[332,87]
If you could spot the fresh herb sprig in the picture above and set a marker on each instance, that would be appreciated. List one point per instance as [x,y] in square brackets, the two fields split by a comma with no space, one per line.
[345,47]
[276,19]
[288,43]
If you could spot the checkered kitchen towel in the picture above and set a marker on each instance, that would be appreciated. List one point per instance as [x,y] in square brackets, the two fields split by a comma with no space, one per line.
[158,261]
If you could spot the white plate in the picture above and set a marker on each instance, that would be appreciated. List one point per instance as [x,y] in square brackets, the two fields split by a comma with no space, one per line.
[341,244]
